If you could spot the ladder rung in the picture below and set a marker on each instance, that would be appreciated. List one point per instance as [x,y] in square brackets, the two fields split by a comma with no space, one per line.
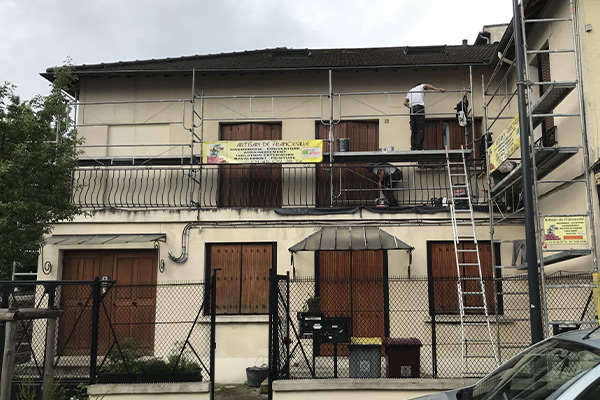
[465,236]
[468,264]
[470,279]
[472,292]
[474,308]
[476,324]
[467,251]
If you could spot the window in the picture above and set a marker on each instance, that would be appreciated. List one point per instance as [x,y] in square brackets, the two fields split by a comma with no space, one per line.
[243,276]
[259,186]
[442,276]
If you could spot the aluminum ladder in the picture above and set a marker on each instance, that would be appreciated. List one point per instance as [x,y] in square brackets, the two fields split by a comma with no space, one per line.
[477,346]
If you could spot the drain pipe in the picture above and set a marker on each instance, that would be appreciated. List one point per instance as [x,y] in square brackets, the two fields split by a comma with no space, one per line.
[185,240]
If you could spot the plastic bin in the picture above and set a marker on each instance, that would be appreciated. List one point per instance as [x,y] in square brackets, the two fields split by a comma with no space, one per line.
[403,357]
[365,357]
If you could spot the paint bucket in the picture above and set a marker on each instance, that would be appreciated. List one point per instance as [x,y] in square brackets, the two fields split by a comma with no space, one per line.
[256,375]
[343,144]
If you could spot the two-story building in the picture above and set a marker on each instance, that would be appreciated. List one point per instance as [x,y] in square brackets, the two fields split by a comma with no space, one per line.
[159,208]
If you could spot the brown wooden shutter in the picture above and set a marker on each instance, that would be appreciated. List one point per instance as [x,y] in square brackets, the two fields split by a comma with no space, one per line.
[228,259]
[256,263]
[356,185]
[250,185]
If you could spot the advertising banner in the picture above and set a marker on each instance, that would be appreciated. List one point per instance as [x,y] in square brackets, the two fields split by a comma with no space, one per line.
[564,230]
[503,147]
[263,152]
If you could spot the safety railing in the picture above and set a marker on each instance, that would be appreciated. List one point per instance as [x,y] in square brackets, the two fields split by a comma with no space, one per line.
[264,186]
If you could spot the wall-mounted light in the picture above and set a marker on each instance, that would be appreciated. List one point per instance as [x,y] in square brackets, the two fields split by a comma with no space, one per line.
[161,266]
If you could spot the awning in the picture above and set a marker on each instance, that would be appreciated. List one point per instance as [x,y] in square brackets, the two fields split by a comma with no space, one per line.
[89,240]
[350,238]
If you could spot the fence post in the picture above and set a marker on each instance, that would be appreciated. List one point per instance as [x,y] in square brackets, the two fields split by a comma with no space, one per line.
[8,360]
[213,328]
[50,342]
[273,334]
[4,286]
[96,287]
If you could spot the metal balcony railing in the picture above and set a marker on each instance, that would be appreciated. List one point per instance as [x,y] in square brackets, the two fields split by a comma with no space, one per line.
[261,186]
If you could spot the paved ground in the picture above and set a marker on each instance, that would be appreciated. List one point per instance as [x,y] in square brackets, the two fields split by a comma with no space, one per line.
[239,392]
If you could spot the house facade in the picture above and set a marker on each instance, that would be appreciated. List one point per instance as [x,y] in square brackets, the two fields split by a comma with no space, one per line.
[158,211]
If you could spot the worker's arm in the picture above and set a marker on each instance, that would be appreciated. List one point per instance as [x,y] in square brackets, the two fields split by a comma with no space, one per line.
[406,103]
[381,174]
[427,86]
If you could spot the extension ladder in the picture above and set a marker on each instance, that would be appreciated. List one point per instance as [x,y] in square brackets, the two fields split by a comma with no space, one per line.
[477,346]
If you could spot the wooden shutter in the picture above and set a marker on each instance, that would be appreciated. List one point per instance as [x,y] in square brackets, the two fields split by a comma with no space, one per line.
[351,181]
[256,263]
[444,276]
[250,185]
[228,259]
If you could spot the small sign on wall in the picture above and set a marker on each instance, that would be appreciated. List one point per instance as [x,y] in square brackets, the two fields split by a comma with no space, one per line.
[565,230]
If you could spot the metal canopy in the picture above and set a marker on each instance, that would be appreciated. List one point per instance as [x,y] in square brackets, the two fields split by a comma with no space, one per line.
[350,238]
[89,240]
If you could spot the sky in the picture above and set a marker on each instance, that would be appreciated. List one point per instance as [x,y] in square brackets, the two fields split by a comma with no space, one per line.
[37,34]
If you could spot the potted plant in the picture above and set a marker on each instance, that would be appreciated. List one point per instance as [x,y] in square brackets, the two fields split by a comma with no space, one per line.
[313,304]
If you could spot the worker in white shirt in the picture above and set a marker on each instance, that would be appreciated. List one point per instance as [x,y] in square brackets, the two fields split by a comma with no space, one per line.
[415,101]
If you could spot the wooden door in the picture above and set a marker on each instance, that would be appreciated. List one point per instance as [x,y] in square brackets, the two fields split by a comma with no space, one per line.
[351,284]
[127,267]
[256,185]
[352,183]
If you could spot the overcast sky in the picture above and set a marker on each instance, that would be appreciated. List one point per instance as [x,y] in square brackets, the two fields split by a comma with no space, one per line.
[37,34]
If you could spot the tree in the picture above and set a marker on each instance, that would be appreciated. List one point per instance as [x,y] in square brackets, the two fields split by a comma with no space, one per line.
[37,158]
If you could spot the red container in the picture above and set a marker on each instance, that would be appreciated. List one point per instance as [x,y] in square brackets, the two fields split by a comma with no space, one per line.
[403,357]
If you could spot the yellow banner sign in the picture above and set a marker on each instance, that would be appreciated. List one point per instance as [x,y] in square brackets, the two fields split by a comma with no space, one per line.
[263,152]
[564,230]
[503,147]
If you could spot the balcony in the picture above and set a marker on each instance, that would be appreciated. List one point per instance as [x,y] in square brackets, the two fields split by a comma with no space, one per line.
[196,186]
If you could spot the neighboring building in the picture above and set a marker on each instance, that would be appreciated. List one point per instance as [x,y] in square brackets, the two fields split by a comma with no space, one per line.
[157,213]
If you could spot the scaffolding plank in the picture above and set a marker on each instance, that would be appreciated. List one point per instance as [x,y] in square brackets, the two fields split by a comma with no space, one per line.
[396,156]
[560,256]
[546,160]
[551,98]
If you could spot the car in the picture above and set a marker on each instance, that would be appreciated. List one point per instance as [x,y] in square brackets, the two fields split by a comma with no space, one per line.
[564,366]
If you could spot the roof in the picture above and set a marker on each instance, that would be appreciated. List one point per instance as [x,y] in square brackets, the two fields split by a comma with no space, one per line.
[340,238]
[281,59]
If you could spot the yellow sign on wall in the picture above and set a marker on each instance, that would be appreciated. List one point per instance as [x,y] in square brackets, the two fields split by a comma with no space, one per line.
[508,142]
[263,152]
[565,230]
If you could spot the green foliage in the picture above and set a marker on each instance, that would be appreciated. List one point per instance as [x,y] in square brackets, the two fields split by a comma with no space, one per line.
[26,390]
[130,359]
[37,158]
[80,392]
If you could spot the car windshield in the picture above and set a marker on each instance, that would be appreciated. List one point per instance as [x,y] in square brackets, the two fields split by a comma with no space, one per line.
[543,371]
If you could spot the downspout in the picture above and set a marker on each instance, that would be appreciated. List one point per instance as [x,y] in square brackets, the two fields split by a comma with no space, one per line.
[185,240]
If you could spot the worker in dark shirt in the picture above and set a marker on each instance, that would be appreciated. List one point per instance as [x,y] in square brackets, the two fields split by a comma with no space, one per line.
[387,175]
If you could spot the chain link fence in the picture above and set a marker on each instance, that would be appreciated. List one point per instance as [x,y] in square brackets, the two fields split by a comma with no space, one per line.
[407,327]
[109,333]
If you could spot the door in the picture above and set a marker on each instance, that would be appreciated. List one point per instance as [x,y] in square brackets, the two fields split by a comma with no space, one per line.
[351,284]
[130,307]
